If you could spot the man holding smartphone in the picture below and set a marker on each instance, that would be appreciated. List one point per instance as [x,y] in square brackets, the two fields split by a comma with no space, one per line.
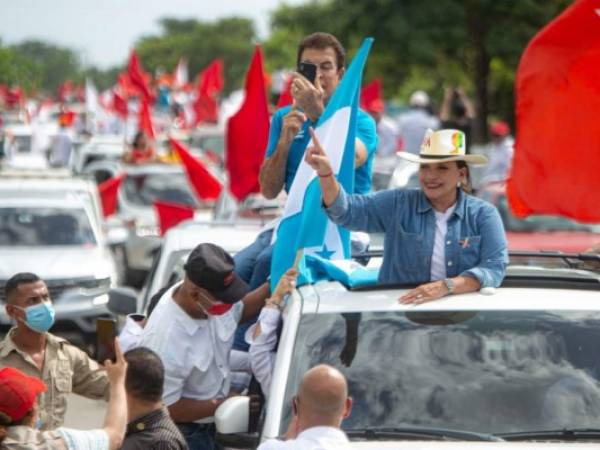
[320,54]
[30,348]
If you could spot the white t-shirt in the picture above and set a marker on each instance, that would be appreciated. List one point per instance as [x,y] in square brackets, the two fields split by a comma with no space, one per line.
[438,257]
[316,438]
[195,352]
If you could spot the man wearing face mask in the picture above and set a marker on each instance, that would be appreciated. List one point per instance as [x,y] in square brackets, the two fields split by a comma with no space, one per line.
[192,330]
[30,348]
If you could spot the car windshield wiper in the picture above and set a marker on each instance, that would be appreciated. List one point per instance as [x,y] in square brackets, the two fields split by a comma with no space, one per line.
[416,433]
[567,434]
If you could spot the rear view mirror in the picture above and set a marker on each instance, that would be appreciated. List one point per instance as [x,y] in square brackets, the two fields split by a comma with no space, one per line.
[232,422]
[122,301]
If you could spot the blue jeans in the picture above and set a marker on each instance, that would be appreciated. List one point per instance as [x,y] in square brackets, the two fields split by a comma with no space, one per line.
[253,265]
[199,436]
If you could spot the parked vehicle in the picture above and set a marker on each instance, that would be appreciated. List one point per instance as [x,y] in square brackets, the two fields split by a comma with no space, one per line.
[49,224]
[540,232]
[142,186]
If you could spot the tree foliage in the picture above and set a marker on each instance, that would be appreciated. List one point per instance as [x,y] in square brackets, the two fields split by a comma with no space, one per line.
[430,43]
[231,39]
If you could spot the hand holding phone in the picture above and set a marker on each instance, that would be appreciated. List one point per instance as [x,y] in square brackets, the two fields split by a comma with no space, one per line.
[308,70]
[106,331]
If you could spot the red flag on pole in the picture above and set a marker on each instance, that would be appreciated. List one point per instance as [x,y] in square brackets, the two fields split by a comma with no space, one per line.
[108,194]
[137,76]
[556,164]
[171,214]
[204,183]
[209,86]
[371,92]
[248,132]
[145,120]
[120,105]
[285,98]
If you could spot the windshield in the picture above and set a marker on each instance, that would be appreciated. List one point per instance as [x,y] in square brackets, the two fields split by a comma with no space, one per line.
[144,190]
[44,226]
[490,371]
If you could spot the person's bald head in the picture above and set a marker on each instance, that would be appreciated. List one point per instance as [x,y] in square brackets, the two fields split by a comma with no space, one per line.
[323,397]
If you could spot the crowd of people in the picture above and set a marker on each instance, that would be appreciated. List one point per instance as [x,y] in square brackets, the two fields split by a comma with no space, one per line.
[179,361]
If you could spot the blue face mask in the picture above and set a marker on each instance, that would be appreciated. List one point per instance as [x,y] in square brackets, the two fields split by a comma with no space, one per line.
[40,317]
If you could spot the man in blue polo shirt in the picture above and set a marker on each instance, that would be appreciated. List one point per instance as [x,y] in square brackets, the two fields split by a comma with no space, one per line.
[289,137]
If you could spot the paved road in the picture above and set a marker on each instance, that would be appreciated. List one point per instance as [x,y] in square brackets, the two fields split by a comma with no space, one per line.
[85,414]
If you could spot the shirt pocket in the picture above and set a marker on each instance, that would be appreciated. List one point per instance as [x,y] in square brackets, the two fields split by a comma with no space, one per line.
[470,251]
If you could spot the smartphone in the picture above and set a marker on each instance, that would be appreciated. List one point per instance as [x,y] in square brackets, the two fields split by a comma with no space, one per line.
[308,70]
[106,331]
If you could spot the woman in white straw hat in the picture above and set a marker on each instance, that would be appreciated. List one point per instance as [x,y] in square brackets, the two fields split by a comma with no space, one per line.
[436,237]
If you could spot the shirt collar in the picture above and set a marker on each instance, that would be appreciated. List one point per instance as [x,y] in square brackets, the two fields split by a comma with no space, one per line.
[189,324]
[146,422]
[331,432]
[423,204]
[8,344]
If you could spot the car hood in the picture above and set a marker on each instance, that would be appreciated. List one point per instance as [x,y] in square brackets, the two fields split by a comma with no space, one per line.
[462,445]
[57,263]
[563,241]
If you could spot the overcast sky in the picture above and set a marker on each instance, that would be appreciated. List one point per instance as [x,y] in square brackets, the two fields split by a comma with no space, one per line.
[103,31]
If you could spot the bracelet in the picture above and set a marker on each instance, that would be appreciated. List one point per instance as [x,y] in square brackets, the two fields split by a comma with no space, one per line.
[326,175]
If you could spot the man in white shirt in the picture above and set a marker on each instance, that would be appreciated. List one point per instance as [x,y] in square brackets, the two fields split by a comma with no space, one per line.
[192,330]
[320,406]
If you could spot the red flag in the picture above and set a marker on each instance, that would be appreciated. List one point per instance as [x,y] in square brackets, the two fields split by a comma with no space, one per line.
[108,194]
[171,214]
[137,76]
[556,164]
[209,86]
[65,91]
[204,183]
[370,93]
[285,98]
[145,120]
[120,105]
[248,132]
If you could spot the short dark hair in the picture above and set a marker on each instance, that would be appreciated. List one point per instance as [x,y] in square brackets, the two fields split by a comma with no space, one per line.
[18,279]
[321,41]
[145,374]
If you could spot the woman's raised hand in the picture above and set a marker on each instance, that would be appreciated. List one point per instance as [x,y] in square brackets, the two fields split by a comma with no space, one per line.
[317,158]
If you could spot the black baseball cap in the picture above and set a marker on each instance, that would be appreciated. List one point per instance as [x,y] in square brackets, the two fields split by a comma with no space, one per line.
[210,267]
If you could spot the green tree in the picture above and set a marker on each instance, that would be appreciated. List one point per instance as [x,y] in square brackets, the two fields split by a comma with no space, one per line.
[477,43]
[54,64]
[18,70]
[231,39]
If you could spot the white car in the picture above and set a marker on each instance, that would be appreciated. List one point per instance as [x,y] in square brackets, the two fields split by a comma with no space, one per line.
[51,225]
[142,186]
[515,368]
[178,242]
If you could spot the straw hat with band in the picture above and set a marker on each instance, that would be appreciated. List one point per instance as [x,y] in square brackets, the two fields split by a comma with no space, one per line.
[443,146]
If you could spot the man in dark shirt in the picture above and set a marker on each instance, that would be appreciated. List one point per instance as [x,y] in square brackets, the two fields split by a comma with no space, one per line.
[150,426]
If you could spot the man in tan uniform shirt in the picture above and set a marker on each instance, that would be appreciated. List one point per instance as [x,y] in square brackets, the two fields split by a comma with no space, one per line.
[30,348]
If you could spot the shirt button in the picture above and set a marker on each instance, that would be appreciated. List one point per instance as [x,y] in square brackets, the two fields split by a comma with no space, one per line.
[448,242]
[449,263]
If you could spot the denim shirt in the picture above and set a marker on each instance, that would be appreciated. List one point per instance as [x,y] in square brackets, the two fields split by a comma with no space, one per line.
[475,240]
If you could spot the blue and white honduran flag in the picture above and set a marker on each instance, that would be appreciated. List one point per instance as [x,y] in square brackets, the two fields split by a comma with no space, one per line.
[304,224]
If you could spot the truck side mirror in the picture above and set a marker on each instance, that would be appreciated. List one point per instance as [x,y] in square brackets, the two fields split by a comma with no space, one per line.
[122,301]
[232,423]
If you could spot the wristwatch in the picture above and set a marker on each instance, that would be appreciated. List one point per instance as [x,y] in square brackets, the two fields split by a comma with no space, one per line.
[449,282]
